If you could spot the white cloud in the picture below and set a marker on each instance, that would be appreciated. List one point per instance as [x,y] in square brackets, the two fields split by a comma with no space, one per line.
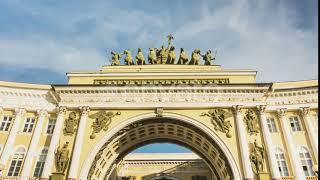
[261,35]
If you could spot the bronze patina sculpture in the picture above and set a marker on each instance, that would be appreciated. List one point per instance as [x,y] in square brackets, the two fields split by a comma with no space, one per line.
[171,56]
[128,59]
[163,55]
[208,58]
[115,58]
[62,158]
[195,57]
[140,58]
[70,124]
[152,56]
[183,58]
[257,157]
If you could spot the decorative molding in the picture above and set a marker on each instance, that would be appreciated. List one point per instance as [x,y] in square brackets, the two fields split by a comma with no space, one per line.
[261,109]
[236,109]
[305,111]
[159,112]
[20,111]
[84,110]
[62,110]
[102,121]
[281,112]
[42,113]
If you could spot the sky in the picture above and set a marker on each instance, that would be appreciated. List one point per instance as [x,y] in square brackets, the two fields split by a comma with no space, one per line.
[42,40]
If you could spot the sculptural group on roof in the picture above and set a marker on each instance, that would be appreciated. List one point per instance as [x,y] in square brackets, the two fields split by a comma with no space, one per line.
[164,55]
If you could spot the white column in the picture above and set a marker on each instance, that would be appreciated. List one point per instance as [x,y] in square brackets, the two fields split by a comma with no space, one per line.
[53,143]
[244,149]
[312,135]
[73,171]
[25,173]
[8,148]
[275,174]
[293,152]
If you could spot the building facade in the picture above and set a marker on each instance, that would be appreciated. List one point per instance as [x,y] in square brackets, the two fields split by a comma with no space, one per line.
[83,130]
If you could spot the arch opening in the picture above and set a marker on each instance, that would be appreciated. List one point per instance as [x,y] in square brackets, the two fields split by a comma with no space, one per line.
[165,129]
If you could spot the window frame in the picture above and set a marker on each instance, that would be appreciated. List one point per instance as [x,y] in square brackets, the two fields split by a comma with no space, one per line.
[51,126]
[295,124]
[306,161]
[40,163]
[16,162]
[281,162]
[6,122]
[271,123]
[29,125]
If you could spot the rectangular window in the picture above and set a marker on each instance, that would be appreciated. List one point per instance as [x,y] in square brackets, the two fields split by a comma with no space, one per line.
[271,125]
[51,125]
[28,126]
[294,123]
[5,124]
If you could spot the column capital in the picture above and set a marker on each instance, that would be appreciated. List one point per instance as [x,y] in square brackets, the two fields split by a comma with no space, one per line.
[84,110]
[237,108]
[20,111]
[1,110]
[42,112]
[281,112]
[261,109]
[304,111]
[62,109]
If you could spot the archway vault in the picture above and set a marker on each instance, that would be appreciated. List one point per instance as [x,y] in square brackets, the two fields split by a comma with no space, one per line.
[131,134]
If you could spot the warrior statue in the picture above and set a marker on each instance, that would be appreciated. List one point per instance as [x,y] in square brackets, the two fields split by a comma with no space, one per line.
[208,58]
[183,58]
[115,58]
[163,55]
[257,157]
[171,56]
[140,58]
[195,57]
[62,158]
[152,56]
[128,59]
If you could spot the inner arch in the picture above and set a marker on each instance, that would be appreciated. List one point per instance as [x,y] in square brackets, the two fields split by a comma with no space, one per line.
[155,130]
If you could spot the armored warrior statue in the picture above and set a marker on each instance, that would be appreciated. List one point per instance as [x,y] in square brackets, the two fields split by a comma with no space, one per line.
[171,56]
[128,59]
[195,57]
[140,58]
[115,58]
[152,56]
[62,158]
[163,55]
[183,58]
[208,58]
[257,157]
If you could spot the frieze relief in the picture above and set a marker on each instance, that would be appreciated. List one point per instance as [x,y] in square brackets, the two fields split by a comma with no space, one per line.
[218,119]
[251,121]
[71,124]
[102,120]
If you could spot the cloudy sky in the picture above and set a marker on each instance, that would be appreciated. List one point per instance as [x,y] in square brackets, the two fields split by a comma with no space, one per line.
[42,40]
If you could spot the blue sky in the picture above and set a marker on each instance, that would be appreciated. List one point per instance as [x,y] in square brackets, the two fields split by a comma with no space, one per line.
[42,40]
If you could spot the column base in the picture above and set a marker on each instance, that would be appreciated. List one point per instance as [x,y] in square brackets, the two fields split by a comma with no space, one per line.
[57,176]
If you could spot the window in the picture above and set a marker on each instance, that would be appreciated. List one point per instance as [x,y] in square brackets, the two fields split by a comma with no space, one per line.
[271,125]
[281,161]
[306,161]
[199,178]
[28,126]
[40,164]
[51,125]
[5,124]
[16,162]
[294,123]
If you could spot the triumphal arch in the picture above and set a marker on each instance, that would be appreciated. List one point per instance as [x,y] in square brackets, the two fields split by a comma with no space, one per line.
[83,129]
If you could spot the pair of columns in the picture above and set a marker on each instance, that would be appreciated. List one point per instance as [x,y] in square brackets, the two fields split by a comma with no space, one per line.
[293,154]
[74,166]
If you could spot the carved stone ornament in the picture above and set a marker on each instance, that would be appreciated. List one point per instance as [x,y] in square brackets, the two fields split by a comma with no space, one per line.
[218,119]
[102,121]
[159,112]
[62,158]
[251,120]
[70,124]
[256,156]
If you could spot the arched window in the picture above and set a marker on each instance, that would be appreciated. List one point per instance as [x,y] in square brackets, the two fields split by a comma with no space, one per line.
[281,161]
[40,163]
[16,162]
[306,161]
